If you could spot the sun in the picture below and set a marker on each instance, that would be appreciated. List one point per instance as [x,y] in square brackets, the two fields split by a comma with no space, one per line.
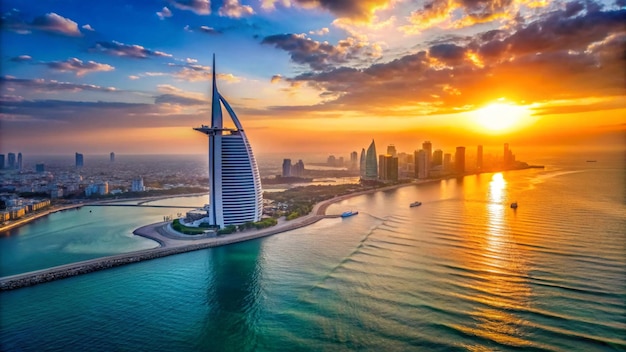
[500,117]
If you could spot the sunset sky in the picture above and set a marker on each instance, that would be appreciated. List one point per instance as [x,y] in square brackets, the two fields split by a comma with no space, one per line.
[311,75]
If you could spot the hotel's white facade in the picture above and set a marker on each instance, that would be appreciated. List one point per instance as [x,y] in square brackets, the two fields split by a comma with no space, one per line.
[235,196]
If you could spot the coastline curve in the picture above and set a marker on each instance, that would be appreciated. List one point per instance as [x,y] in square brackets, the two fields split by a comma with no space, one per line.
[168,245]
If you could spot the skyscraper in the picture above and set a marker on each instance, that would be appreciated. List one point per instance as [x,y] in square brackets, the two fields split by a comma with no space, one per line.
[112,157]
[354,160]
[479,157]
[235,195]
[19,161]
[11,161]
[371,164]
[41,167]
[447,157]
[297,169]
[1,161]
[437,157]
[362,163]
[459,160]
[422,165]
[79,161]
[137,185]
[428,149]
[388,167]
[286,167]
[391,150]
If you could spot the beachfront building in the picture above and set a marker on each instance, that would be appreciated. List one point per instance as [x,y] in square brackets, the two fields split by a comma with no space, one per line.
[235,190]
[137,185]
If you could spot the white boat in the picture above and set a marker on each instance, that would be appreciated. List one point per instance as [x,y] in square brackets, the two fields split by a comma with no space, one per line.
[514,205]
[415,204]
[346,214]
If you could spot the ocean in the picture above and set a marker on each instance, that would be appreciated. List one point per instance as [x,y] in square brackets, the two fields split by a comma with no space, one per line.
[462,272]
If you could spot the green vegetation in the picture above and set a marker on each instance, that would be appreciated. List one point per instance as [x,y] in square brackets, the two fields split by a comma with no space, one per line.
[176,225]
[227,230]
[299,201]
[268,222]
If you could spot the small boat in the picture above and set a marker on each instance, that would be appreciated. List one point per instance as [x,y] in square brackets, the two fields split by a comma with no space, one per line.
[346,214]
[514,205]
[591,161]
[415,204]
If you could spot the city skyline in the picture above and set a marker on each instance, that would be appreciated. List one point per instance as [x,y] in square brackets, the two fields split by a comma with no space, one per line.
[132,77]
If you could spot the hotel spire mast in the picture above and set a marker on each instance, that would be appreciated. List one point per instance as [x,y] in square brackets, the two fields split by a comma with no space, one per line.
[235,194]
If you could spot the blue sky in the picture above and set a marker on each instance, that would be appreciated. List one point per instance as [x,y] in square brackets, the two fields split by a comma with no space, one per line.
[133,76]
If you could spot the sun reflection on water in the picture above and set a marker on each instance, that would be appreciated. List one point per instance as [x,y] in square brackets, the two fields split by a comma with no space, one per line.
[501,288]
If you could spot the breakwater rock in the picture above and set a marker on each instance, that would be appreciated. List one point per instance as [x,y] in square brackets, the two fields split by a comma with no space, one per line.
[89,266]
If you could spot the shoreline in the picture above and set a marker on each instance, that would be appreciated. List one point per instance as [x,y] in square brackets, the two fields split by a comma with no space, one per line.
[32,217]
[53,209]
[170,244]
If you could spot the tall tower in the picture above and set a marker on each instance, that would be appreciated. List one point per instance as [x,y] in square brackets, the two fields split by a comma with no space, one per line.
[479,157]
[79,160]
[354,160]
[235,195]
[428,149]
[371,164]
[19,161]
[422,165]
[362,163]
[286,167]
[11,161]
[459,160]
[437,157]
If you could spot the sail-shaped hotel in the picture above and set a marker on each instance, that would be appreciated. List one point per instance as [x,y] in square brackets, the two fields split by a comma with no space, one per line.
[235,190]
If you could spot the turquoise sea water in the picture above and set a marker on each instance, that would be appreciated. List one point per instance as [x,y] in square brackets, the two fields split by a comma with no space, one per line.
[80,234]
[463,272]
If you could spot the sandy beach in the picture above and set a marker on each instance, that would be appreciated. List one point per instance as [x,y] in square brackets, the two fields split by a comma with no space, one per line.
[172,242]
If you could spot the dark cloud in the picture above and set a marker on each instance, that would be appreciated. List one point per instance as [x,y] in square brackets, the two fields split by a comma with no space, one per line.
[50,22]
[484,9]
[201,7]
[178,100]
[447,52]
[558,31]
[558,56]
[321,55]
[573,8]
[360,10]
[72,118]
[115,48]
